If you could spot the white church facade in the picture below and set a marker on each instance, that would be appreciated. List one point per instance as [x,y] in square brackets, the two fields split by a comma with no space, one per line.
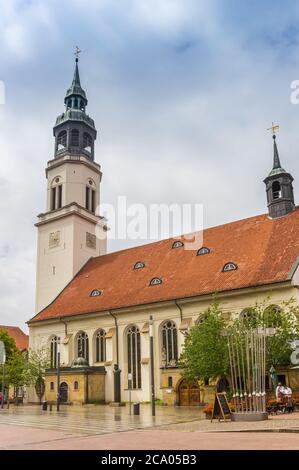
[95,306]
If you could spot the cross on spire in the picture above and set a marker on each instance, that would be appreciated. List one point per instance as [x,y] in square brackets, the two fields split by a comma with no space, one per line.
[273,129]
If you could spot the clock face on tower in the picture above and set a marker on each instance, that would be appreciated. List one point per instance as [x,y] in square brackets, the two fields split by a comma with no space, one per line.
[54,239]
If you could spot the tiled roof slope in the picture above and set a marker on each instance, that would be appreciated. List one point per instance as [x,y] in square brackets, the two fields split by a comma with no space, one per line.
[265,251]
[21,339]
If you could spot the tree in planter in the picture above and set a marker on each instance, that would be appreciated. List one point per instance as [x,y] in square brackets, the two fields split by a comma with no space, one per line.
[16,371]
[205,353]
[38,362]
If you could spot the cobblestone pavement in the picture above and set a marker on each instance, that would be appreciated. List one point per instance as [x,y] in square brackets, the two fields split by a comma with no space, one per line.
[14,438]
[106,428]
[95,419]
[282,422]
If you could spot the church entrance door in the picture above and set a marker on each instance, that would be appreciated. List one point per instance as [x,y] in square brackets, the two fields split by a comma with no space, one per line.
[189,394]
[63,392]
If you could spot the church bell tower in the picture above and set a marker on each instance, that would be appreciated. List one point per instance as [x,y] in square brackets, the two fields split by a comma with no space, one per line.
[279,188]
[70,231]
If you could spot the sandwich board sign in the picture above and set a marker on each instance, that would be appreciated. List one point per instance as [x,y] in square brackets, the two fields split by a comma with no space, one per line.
[2,353]
[221,409]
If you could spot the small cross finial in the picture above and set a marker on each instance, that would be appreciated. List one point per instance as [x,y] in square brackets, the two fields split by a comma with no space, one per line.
[77,52]
[273,129]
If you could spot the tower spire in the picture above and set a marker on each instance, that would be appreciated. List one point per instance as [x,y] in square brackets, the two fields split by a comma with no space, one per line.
[276,161]
[76,90]
[74,130]
[279,187]
[277,168]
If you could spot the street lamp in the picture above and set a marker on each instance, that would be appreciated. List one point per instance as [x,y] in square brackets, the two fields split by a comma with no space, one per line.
[151,334]
[58,373]
[130,377]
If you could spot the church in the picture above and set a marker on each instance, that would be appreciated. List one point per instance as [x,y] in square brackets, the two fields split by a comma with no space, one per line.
[95,307]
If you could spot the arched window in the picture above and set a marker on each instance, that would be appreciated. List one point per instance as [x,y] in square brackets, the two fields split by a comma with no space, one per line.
[169,344]
[76,385]
[155,281]
[75,138]
[56,194]
[203,251]
[61,140]
[100,341]
[139,265]
[248,317]
[276,190]
[177,244]
[272,316]
[229,267]
[90,196]
[134,355]
[87,142]
[82,345]
[76,103]
[53,352]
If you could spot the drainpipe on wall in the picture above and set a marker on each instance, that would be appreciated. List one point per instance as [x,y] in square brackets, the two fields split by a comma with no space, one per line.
[116,371]
[116,330]
[181,315]
[65,325]
[180,309]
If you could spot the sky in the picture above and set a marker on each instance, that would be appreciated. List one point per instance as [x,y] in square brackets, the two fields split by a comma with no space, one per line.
[182,92]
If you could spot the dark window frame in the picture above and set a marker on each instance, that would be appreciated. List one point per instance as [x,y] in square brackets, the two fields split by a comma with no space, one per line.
[134,356]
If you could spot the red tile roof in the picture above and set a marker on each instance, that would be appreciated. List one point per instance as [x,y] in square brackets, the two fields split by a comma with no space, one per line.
[21,339]
[264,250]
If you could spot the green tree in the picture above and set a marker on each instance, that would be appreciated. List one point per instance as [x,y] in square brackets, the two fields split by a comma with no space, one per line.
[16,371]
[205,354]
[38,362]
[10,349]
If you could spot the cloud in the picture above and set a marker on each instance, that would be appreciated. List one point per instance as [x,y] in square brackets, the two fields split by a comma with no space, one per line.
[181,92]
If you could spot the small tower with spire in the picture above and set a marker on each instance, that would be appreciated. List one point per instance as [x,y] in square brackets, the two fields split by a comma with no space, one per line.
[279,188]
[70,231]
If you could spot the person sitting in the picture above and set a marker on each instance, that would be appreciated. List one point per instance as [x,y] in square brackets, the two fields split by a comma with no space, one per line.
[287,392]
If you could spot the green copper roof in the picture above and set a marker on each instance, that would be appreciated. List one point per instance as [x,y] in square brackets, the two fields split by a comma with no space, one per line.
[75,88]
[75,115]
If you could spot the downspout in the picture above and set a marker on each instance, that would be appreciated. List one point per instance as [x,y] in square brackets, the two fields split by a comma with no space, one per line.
[65,326]
[65,333]
[180,309]
[181,315]
[116,329]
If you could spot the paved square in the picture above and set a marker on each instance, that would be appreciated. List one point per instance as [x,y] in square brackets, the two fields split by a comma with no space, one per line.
[96,419]
[106,428]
